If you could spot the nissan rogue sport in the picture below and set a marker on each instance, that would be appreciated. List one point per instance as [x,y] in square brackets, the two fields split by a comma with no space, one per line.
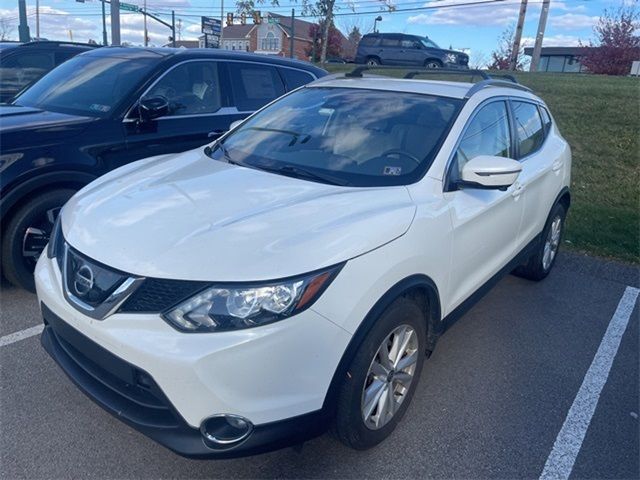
[295,273]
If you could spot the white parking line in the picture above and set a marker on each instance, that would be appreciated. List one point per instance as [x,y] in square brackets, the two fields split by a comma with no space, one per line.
[569,440]
[21,335]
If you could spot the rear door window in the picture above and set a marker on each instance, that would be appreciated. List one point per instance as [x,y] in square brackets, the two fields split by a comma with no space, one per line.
[368,41]
[529,131]
[295,78]
[23,68]
[254,85]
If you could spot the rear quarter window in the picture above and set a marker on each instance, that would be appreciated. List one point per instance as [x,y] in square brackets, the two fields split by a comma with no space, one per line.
[254,85]
[295,78]
[368,41]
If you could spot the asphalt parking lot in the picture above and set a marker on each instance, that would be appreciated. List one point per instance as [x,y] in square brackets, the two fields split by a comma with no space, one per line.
[508,390]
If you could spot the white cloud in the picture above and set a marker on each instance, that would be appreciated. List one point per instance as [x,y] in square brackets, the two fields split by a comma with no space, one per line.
[499,14]
[573,21]
[553,41]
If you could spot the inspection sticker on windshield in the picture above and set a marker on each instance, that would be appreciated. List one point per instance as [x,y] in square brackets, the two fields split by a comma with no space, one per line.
[395,171]
[99,108]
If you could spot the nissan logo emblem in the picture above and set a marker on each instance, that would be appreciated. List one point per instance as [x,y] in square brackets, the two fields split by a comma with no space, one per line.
[83,280]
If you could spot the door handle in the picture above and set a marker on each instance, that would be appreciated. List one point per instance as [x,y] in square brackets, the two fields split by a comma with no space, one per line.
[556,166]
[215,133]
[517,191]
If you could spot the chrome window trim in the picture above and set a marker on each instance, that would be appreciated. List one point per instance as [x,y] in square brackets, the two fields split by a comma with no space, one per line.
[110,305]
[128,119]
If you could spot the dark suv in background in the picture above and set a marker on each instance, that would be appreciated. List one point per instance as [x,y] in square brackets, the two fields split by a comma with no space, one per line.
[109,107]
[403,49]
[24,63]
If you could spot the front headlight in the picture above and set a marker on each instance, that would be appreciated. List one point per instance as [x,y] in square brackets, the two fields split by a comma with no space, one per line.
[232,307]
[451,58]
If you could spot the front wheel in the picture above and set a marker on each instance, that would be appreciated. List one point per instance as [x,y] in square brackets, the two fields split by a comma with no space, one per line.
[27,234]
[373,62]
[382,377]
[541,262]
[432,64]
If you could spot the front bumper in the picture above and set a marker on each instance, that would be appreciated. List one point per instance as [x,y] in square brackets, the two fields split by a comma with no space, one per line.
[165,383]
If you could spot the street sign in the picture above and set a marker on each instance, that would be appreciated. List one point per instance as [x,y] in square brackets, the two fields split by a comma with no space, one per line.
[212,29]
[128,7]
[274,20]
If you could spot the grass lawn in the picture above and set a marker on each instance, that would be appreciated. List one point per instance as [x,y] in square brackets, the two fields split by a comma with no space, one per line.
[600,118]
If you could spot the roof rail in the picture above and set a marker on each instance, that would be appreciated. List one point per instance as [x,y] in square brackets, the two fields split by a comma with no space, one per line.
[58,42]
[493,82]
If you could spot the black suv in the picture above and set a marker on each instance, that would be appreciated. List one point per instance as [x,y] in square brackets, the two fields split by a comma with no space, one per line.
[111,106]
[24,63]
[402,49]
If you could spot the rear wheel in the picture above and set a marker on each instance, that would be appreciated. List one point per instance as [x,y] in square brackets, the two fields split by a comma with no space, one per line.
[433,64]
[27,234]
[541,262]
[382,377]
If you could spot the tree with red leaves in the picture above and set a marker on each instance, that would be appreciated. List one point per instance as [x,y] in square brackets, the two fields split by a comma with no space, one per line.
[501,57]
[617,45]
[334,46]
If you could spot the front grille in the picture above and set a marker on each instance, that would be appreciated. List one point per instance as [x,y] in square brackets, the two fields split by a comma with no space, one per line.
[156,295]
[89,281]
[116,385]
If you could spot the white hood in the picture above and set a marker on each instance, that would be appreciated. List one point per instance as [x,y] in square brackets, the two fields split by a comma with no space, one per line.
[186,216]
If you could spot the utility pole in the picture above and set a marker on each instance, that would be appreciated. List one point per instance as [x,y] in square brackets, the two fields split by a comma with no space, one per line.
[293,30]
[544,13]
[513,63]
[38,20]
[104,25]
[146,33]
[173,28]
[115,22]
[23,28]
[221,23]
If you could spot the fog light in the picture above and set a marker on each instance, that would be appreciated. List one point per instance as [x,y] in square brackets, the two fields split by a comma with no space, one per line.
[221,431]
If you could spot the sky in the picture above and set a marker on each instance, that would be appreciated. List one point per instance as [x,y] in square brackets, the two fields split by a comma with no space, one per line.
[473,27]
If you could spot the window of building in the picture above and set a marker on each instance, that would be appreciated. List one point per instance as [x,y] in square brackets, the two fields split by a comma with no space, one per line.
[271,43]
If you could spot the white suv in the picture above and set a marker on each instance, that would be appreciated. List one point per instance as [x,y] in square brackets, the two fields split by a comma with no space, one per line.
[295,273]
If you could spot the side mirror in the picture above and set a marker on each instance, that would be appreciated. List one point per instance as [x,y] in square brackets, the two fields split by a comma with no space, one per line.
[235,124]
[152,107]
[487,171]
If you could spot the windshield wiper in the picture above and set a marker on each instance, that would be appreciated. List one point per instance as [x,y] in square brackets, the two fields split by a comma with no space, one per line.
[300,172]
[209,152]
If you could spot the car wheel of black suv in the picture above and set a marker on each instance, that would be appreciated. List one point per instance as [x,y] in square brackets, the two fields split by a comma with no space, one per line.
[433,64]
[372,61]
[382,377]
[541,262]
[27,234]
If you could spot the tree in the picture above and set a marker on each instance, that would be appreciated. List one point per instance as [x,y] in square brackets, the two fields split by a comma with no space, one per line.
[616,45]
[333,48]
[501,56]
[351,45]
[6,29]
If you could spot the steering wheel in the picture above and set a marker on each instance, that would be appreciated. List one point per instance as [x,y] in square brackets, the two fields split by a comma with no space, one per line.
[402,153]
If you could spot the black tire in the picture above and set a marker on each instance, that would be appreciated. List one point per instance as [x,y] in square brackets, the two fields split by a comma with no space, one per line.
[349,426]
[432,63]
[536,268]
[17,268]
[372,61]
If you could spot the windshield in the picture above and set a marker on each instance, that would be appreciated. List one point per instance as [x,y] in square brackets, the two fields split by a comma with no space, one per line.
[429,43]
[344,136]
[87,85]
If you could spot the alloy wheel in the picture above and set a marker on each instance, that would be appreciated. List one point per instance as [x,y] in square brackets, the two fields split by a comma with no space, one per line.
[389,377]
[552,243]
[36,236]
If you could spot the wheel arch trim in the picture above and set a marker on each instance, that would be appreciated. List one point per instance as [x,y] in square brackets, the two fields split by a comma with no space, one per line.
[46,180]
[403,287]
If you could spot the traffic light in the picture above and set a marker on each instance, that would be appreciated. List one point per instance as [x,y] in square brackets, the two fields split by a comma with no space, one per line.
[257,18]
[229,19]
[243,18]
